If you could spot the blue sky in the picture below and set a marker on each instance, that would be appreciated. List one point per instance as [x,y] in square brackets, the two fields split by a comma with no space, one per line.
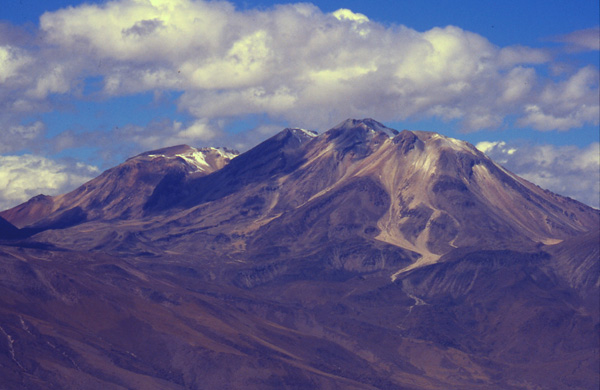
[84,85]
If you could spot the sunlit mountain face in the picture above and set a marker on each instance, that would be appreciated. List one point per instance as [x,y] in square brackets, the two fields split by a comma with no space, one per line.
[360,258]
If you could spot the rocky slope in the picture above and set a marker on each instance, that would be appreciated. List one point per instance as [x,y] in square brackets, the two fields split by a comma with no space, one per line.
[362,258]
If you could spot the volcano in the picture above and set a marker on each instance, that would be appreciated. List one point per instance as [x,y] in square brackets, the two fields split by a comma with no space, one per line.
[361,258]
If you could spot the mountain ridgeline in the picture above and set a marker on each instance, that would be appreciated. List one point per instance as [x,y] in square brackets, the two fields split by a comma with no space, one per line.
[361,258]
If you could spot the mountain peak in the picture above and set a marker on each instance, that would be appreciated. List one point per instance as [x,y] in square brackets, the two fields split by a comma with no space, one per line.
[366,124]
[169,151]
[370,128]
[359,137]
[202,160]
[298,134]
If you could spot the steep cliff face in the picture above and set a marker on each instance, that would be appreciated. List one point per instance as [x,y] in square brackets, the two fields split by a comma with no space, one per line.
[361,258]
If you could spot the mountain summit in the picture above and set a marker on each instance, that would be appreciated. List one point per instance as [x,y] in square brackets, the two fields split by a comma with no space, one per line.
[360,258]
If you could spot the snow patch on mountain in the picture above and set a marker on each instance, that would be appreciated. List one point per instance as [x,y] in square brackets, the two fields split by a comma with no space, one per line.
[302,134]
[378,127]
[224,152]
[310,133]
[197,158]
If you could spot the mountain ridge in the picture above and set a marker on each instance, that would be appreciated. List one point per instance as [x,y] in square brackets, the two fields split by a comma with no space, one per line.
[435,194]
[428,178]
[142,172]
[360,258]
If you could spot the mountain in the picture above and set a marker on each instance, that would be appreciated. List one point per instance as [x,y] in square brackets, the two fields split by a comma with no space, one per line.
[361,258]
[120,192]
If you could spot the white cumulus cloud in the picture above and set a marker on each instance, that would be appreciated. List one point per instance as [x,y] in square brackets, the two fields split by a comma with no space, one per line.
[292,63]
[566,105]
[566,170]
